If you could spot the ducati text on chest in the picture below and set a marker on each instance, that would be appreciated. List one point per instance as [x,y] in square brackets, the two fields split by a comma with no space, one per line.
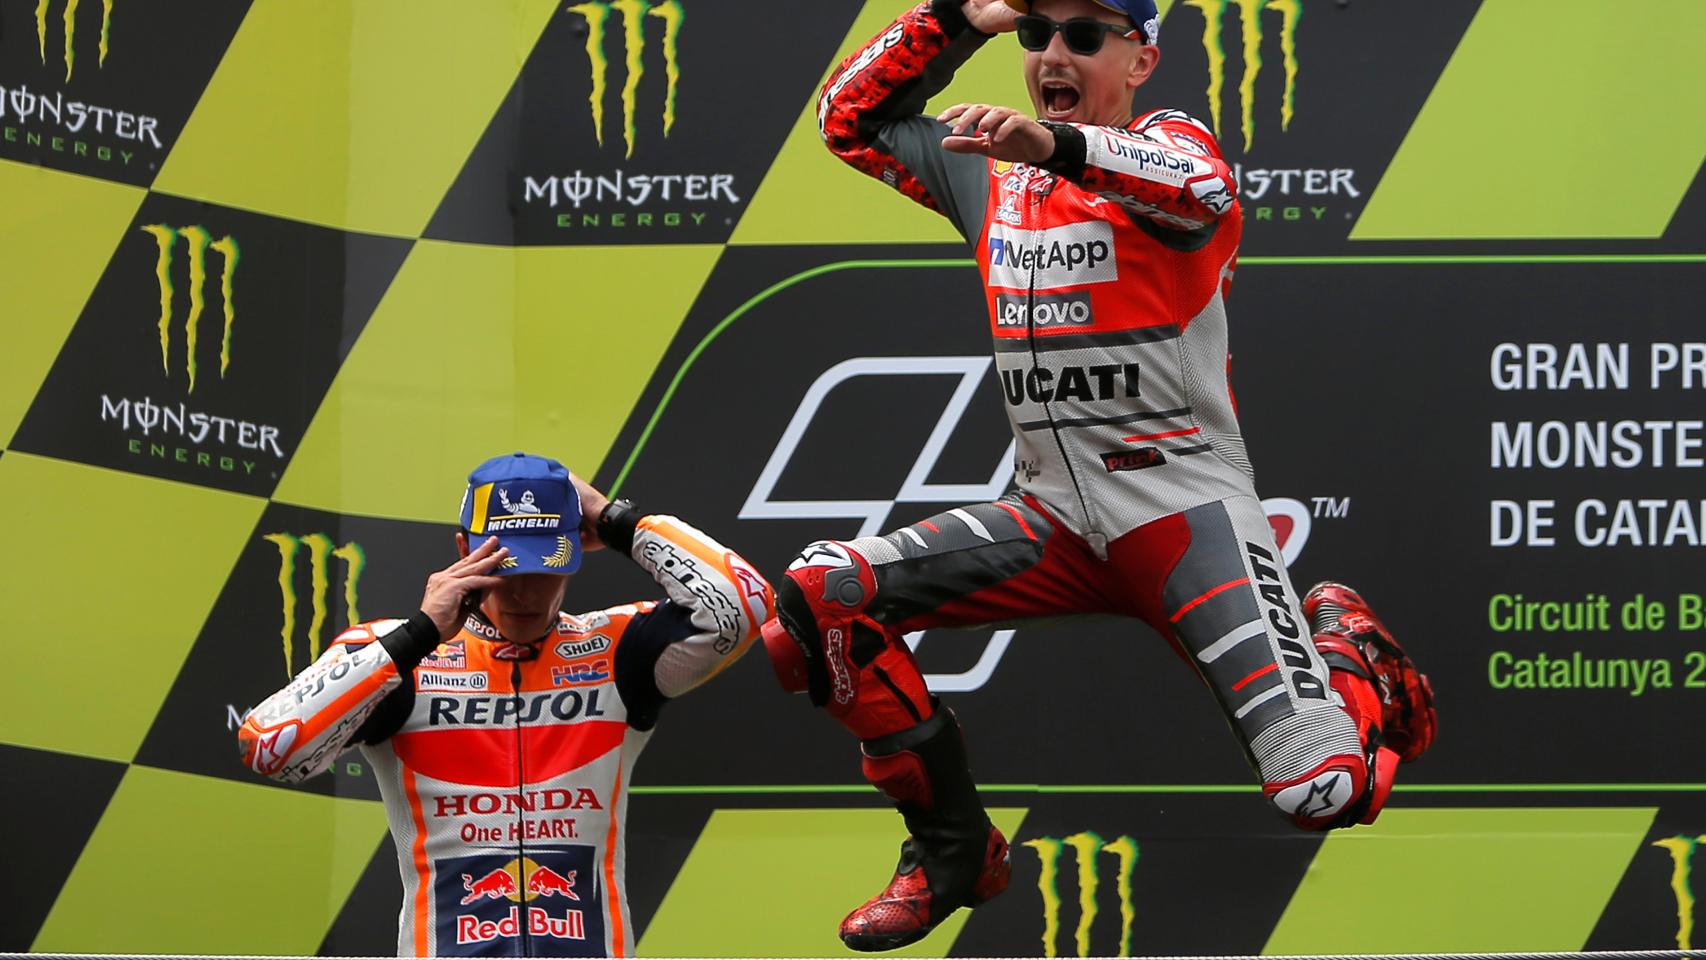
[1101,381]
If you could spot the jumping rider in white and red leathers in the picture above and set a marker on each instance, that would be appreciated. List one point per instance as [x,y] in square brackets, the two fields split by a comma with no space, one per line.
[502,731]
[1107,245]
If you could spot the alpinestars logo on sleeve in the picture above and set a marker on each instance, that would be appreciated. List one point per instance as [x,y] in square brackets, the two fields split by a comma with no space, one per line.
[634,14]
[320,553]
[1251,32]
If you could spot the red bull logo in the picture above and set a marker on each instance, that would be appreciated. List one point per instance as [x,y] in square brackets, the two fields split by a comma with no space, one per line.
[539,924]
[497,885]
[500,884]
[545,882]
[516,899]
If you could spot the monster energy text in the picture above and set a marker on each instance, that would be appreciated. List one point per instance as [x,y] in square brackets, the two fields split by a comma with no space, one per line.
[633,191]
[74,117]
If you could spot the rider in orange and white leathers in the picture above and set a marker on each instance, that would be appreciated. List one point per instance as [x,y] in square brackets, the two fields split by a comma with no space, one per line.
[505,762]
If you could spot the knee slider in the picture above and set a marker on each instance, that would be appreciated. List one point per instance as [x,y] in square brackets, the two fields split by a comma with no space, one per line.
[814,641]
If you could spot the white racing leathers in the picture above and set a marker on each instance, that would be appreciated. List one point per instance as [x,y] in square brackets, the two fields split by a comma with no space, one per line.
[504,766]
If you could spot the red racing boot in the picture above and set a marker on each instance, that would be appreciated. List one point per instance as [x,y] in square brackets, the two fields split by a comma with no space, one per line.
[954,858]
[1344,625]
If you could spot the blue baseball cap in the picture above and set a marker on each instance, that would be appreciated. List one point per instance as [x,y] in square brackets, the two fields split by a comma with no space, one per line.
[531,506]
[1142,13]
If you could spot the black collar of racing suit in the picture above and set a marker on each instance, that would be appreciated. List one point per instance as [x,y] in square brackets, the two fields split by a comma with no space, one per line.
[507,649]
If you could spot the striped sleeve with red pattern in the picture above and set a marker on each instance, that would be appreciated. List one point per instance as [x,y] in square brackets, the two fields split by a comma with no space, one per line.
[889,79]
[298,731]
[1165,167]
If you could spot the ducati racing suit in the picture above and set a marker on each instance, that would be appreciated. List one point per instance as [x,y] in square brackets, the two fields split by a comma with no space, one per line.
[1105,272]
[505,767]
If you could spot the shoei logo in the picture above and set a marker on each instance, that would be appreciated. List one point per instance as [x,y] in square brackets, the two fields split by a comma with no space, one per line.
[1681,849]
[635,14]
[873,514]
[1252,29]
[1085,848]
[70,20]
[320,554]
[199,241]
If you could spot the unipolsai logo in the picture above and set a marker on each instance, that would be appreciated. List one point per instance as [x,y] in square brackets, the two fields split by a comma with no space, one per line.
[69,19]
[1252,34]
[1089,854]
[320,552]
[636,16]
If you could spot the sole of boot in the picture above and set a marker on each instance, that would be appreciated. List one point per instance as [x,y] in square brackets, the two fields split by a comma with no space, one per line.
[877,943]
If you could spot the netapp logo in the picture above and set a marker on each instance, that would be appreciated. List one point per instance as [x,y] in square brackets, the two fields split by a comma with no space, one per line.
[1050,310]
[1068,256]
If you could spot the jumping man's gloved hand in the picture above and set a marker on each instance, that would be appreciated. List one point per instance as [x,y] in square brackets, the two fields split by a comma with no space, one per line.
[990,16]
[999,132]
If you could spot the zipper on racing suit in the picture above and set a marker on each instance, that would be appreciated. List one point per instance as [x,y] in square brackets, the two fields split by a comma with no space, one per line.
[1097,540]
[525,938]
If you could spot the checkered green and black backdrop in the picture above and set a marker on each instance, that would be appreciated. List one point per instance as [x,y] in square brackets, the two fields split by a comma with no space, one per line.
[275,274]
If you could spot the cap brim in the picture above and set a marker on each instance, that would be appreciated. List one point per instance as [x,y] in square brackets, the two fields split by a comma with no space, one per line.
[535,553]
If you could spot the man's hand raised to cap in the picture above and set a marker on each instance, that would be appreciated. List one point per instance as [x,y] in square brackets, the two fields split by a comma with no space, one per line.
[989,16]
[592,504]
[449,589]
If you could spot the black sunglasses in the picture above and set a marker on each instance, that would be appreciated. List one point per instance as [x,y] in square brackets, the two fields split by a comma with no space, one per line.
[1083,35]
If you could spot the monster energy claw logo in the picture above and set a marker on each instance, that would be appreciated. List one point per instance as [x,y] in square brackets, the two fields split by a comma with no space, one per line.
[1250,18]
[320,552]
[1682,860]
[200,241]
[1084,846]
[71,32]
[633,13]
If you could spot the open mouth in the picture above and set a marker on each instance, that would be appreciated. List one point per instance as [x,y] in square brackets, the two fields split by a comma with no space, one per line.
[1059,99]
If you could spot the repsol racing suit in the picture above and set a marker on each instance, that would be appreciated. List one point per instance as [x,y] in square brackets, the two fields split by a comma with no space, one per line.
[504,766]
[1105,272]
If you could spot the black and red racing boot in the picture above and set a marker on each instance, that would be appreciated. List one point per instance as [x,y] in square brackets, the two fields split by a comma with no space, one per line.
[954,858]
[1341,618]
[911,905]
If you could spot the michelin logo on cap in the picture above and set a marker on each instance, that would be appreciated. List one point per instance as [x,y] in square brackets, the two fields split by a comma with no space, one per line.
[530,504]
